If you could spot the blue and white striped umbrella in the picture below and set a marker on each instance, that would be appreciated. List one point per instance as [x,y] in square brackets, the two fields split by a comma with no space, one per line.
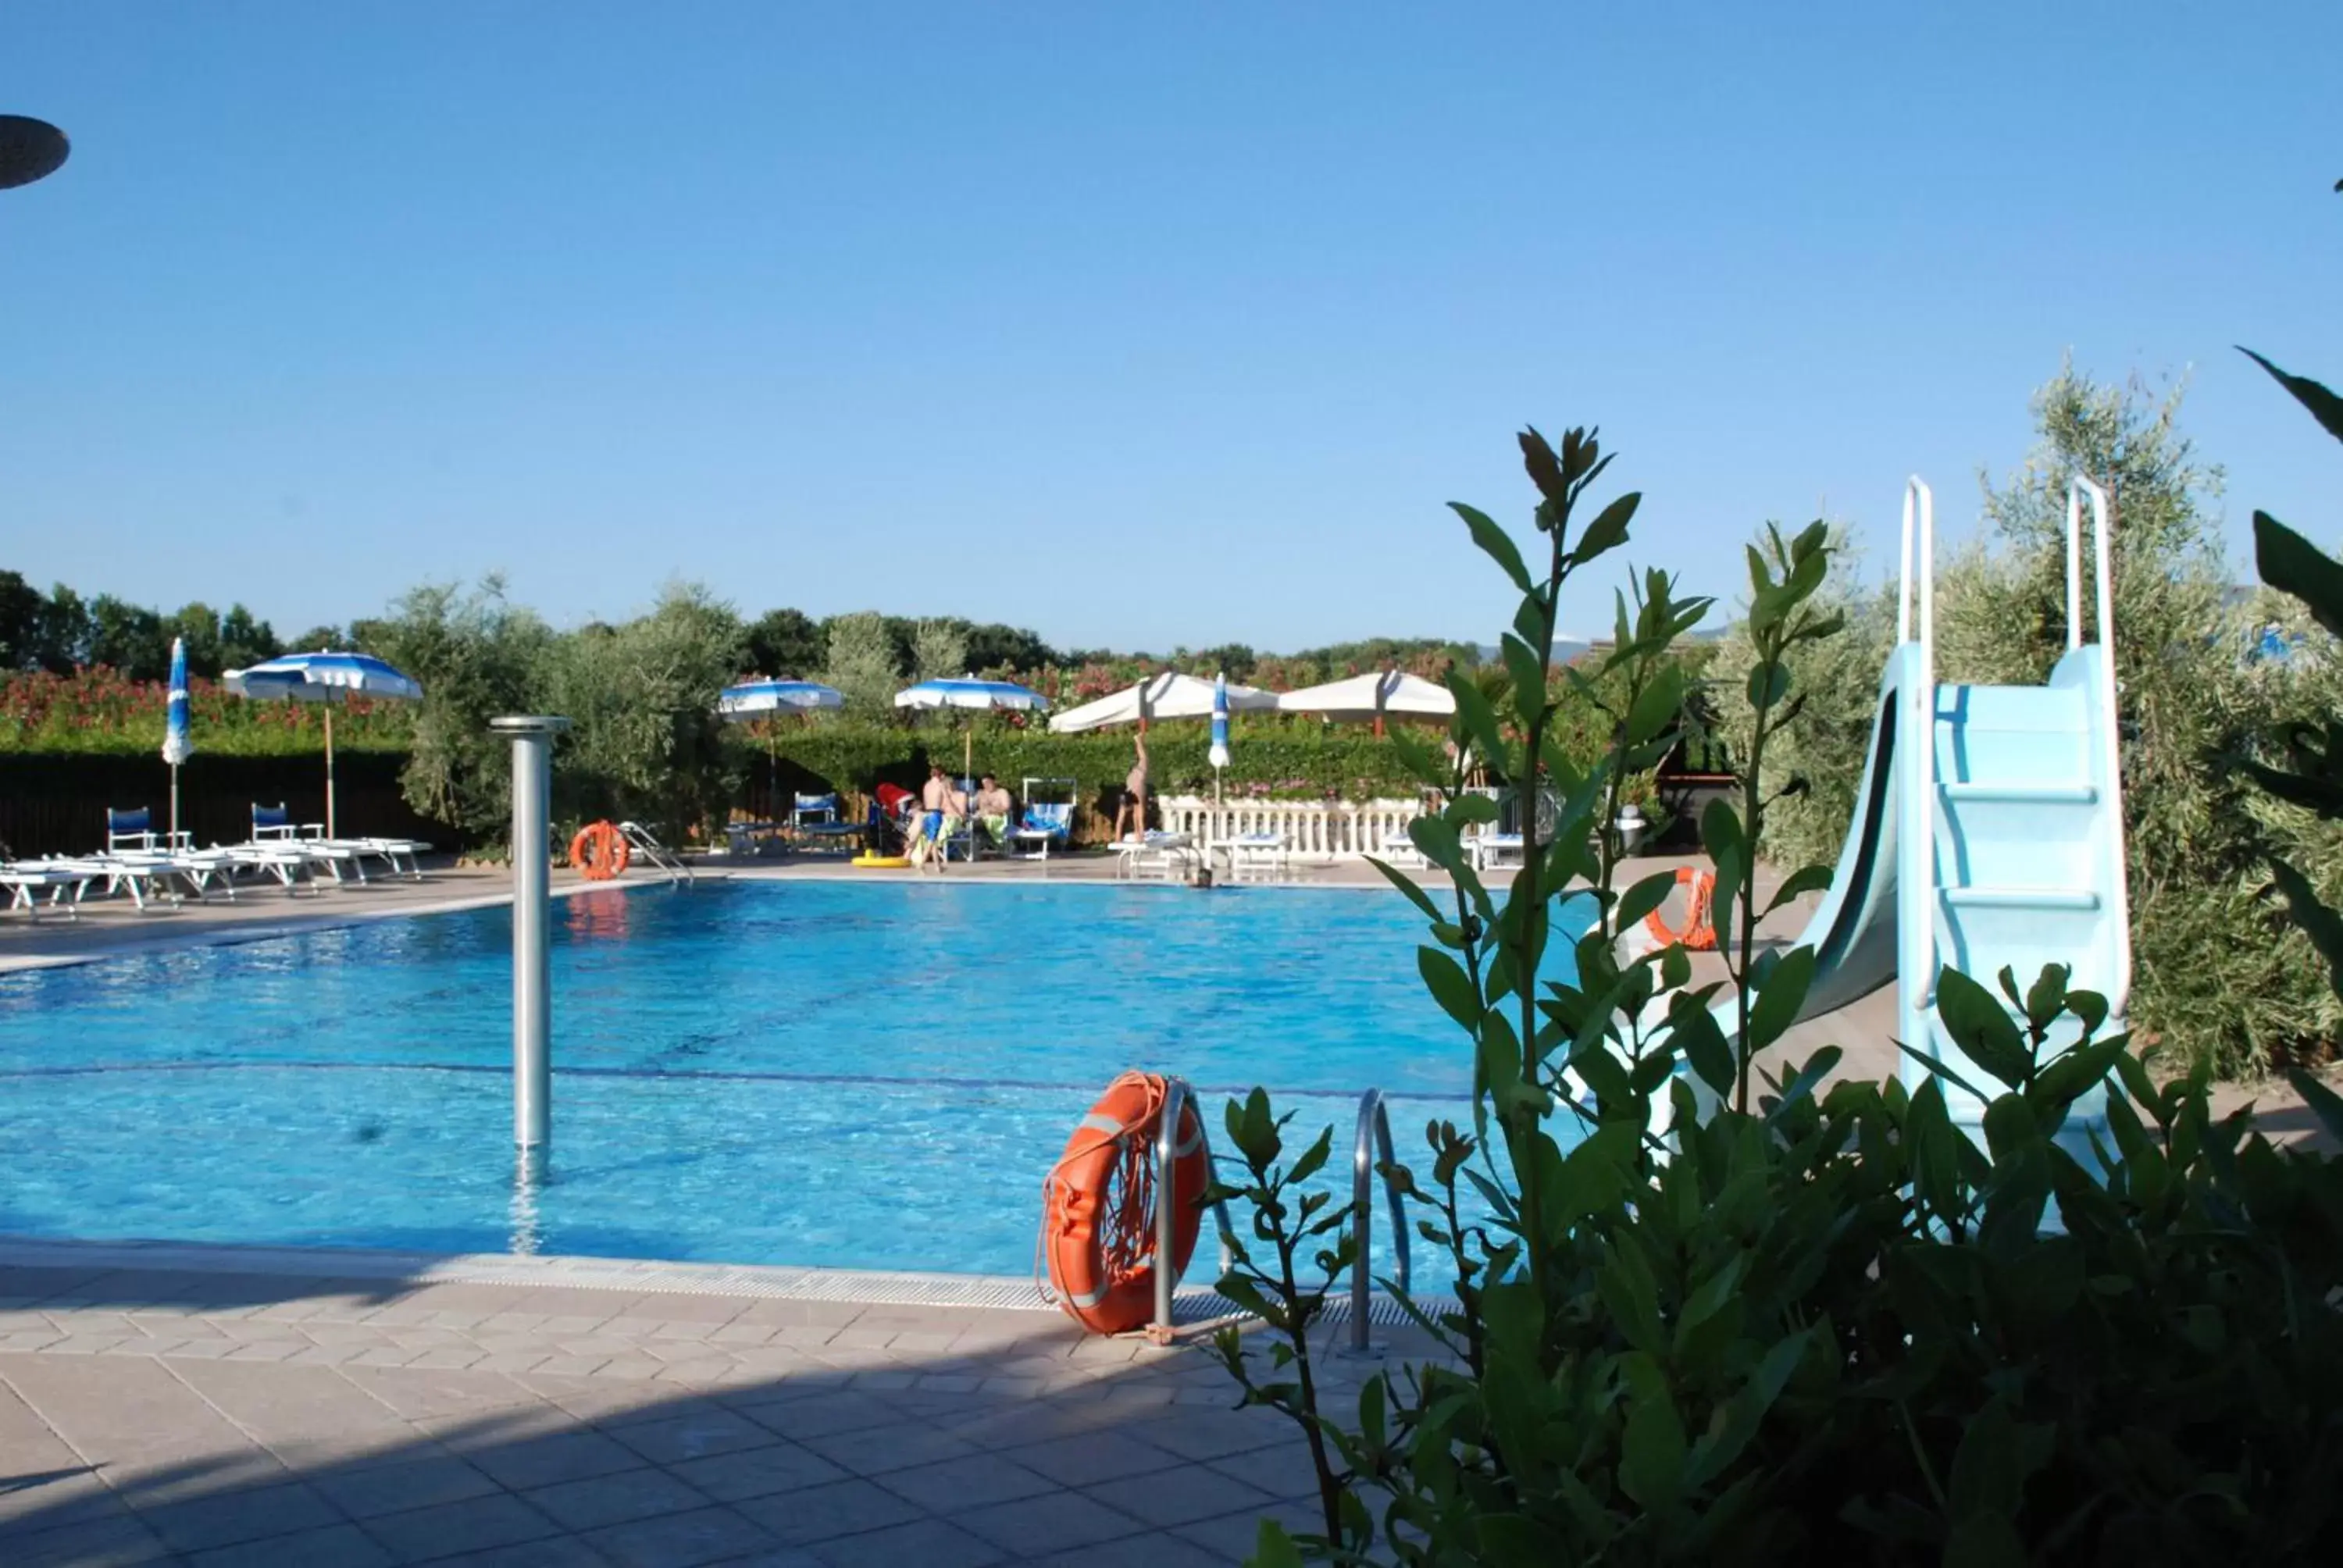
[1220,753]
[326,677]
[177,745]
[756,698]
[967,692]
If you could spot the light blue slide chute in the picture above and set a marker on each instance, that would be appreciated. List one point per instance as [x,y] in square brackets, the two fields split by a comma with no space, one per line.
[1988,830]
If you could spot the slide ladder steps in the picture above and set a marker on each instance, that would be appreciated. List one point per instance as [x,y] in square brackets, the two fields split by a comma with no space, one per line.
[2020,794]
[2009,897]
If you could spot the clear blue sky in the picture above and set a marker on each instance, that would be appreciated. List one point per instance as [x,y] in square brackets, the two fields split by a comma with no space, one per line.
[1138,325]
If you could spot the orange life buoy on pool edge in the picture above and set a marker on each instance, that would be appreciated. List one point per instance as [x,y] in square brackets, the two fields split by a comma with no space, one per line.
[1098,1218]
[1698,934]
[599,851]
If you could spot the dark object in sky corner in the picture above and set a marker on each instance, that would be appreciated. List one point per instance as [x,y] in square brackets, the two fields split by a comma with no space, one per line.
[29,149]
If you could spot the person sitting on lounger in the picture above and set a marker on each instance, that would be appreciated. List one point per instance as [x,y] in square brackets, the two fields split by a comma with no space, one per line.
[992,807]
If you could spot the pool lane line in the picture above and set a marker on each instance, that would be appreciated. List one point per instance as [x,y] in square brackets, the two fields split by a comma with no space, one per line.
[848,1080]
[157,943]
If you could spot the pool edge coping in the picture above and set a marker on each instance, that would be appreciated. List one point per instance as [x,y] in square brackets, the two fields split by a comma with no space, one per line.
[764,1281]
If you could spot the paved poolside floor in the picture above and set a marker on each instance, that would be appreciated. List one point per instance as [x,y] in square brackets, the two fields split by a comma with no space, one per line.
[214,1415]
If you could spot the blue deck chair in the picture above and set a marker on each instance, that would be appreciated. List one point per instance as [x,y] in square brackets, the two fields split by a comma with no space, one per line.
[819,818]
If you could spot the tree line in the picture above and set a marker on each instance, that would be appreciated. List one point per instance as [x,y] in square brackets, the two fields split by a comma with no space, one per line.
[62,630]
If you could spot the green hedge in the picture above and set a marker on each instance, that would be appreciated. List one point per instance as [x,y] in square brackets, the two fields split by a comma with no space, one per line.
[1284,759]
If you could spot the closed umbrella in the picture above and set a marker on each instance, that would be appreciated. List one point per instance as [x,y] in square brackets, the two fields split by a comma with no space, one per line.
[1220,753]
[177,744]
[325,678]
[967,691]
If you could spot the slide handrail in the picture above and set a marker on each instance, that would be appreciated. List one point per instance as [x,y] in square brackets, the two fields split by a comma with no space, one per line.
[2103,608]
[1916,806]
[1920,506]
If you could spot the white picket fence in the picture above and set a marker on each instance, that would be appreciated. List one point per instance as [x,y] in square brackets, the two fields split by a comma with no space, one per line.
[1312,829]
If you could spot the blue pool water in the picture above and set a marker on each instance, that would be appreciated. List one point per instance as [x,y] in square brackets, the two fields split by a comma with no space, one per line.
[804,1072]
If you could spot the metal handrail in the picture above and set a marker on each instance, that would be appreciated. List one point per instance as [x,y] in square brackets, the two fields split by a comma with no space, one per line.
[2103,611]
[1374,1122]
[1177,1099]
[1919,502]
[1917,735]
[678,869]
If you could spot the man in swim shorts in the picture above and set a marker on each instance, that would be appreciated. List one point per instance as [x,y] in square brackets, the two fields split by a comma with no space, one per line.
[992,807]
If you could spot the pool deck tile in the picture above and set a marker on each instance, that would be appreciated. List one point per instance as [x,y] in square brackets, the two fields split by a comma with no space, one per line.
[913,1439]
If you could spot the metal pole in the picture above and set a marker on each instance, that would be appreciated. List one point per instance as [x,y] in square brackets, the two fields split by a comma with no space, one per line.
[532,798]
[329,771]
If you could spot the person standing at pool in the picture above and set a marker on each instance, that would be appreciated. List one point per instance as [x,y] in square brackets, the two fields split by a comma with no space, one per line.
[992,806]
[940,803]
[1135,795]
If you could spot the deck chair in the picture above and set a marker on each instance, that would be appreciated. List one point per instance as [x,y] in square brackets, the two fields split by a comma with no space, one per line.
[136,830]
[816,818]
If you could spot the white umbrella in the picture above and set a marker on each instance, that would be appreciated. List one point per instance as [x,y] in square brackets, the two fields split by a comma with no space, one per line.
[1371,696]
[1167,695]
[325,678]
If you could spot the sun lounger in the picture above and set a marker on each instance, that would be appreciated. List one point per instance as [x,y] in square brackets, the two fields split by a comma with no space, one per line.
[1045,822]
[816,818]
[1495,851]
[1158,856]
[273,828]
[142,875]
[1255,857]
[25,881]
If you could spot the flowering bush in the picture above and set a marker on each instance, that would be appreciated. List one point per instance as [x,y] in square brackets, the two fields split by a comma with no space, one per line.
[100,710]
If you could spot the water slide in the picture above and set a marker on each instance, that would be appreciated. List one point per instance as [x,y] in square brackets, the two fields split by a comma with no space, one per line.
[1988,826]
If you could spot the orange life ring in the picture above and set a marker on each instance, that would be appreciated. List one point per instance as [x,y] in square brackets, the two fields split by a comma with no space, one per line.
[1098,1222]
[1698,934]
[599,851]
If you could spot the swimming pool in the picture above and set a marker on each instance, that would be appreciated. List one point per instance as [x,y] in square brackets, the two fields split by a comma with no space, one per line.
[800,1072]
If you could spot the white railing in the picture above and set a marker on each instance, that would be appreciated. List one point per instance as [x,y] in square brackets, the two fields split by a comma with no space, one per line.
[1312,829]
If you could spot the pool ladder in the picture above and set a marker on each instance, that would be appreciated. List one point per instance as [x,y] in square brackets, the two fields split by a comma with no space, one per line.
[647,845]
[1374,1139]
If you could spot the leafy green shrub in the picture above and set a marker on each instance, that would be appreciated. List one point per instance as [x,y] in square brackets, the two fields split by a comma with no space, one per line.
[1820,1327]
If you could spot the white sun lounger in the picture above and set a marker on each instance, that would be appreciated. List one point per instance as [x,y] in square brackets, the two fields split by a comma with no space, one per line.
[1255,857]
[1162,856]
[139,875]
[1495,851]
[273,828]
[64,887]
